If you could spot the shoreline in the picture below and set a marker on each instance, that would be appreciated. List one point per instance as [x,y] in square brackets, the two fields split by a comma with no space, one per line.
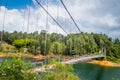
[28,55]
[104,63]
[3,55]
[40,57]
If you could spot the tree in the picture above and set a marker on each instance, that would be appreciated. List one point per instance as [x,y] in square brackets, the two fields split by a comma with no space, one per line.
[57,48]
[117,41]
[23,42]
[19,43]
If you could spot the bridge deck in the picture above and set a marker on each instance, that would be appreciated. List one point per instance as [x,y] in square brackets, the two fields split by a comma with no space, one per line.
[72,61]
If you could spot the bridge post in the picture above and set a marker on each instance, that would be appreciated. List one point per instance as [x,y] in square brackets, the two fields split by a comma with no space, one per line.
[104,52]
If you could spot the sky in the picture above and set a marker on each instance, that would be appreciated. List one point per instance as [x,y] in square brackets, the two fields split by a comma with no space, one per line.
[98,16]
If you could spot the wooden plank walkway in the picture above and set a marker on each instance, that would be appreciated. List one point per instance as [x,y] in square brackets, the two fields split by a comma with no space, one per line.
[81,59]
[72,61]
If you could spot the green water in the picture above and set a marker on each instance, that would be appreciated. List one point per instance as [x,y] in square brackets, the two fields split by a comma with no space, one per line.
[88,71]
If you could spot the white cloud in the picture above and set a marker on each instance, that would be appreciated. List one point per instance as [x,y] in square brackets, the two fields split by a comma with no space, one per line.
[14,20]
[85,12]
[107,19]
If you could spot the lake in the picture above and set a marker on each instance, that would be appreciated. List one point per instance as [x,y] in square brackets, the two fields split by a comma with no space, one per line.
[87,71]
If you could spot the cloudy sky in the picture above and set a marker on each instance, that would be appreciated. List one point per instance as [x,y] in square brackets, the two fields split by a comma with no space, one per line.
[98,16]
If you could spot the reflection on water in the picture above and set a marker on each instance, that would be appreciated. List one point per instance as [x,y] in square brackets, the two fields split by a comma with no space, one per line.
[88,71]
[85,71]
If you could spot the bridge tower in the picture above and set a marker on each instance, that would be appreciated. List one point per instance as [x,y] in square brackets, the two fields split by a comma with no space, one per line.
[104,52]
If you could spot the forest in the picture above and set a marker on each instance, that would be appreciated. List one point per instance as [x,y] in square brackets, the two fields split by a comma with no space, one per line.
[57,44]
[43,43]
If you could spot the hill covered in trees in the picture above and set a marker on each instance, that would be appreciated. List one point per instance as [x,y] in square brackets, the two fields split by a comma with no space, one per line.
[58,44]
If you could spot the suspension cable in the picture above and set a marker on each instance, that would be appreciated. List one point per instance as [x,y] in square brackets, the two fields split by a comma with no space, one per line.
[28,18]
[70,15]
[72,18]
[57,14]
[51,16]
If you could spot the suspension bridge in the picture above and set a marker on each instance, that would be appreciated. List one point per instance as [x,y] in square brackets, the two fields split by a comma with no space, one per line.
[71,61]
[75,60]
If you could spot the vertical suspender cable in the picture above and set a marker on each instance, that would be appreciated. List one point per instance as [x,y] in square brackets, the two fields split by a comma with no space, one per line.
[23,23]
[28,19]
[25,16]
[45,47]
[0,4]
[46,29]
[28,22]
[2,30]
[37,18]
[57,14]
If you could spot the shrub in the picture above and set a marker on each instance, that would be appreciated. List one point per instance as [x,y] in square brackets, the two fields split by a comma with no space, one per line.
[16,69]
[60,72]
